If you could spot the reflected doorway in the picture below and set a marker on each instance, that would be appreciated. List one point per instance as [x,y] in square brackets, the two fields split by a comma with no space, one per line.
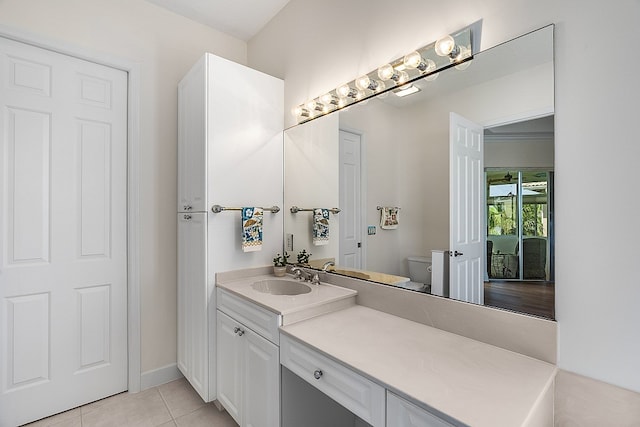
[519,216]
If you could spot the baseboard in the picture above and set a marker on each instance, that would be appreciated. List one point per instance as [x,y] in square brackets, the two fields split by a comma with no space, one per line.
[159,376]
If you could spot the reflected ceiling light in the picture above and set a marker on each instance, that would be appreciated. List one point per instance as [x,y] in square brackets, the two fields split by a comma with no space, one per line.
[464,53]
[406,90]
[431,77]
[422,63]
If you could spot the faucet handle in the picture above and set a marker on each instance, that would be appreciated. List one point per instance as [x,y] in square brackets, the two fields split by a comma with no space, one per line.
[315,280]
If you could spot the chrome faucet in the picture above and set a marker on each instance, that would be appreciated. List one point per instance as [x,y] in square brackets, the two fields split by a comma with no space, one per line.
[301,274]
[328,264]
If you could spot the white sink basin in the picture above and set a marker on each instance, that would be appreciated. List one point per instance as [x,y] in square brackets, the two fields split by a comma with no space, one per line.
[281,287]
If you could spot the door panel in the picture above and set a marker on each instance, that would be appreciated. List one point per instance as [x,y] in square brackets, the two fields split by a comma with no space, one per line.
[63,257]
[350,203]
[230,364]
[466,210]
[261,406]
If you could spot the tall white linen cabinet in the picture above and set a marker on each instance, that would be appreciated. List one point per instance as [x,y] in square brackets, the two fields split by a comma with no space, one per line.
[230,153]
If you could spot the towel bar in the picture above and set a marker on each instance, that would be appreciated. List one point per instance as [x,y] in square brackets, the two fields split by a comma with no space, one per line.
[295,209]
[218,209]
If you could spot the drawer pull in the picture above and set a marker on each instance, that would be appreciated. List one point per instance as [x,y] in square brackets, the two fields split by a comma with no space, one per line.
[238,331]
[317,374]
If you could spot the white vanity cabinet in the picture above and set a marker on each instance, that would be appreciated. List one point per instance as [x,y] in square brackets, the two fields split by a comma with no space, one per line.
[248,363]
[358,394]
[402,413]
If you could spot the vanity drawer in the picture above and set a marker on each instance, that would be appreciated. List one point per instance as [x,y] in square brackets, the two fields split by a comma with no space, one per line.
[402,413]
[260,320]
[359,395]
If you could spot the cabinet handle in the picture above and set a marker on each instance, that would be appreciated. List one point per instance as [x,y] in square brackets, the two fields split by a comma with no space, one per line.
[317,374]
[187,207]
[187,217]
[238,331]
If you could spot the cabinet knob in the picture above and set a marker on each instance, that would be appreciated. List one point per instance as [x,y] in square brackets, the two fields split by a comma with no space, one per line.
[187,217]
[187,207]
[238,331]
[317,374]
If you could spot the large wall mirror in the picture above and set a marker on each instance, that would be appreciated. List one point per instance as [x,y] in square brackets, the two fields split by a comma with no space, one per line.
[386,164]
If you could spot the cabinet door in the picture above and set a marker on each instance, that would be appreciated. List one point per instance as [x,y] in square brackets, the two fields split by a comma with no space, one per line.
[401,413]
[193,359]
[261,382]
[230,361]
[192,154]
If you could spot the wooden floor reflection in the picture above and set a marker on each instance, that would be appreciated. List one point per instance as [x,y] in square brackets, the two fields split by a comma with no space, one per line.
[537,298]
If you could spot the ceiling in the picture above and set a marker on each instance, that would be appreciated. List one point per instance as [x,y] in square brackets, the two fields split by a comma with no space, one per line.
[242,19]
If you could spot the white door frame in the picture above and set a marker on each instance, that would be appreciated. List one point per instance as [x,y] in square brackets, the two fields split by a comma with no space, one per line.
[133,146]
[363,193]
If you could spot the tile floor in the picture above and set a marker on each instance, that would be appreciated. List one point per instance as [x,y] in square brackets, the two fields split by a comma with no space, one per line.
[168,405]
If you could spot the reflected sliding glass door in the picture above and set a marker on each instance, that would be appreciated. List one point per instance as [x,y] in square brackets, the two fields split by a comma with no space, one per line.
[519,226]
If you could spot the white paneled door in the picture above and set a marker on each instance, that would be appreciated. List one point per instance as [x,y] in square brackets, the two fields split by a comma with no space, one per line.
[466,199]
[350,215]
[63,253]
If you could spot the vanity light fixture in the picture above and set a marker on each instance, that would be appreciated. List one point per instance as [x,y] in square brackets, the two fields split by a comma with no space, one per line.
[426,62]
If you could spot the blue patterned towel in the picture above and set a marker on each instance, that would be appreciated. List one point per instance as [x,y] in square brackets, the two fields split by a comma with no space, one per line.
[251,229]
[320,227]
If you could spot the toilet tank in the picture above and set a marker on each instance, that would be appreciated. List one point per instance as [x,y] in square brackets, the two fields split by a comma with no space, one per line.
[420,269]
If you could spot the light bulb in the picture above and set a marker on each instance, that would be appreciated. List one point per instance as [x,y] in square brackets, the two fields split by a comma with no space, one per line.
[403,78]
[412,60]
[327,99]
[387,72]
[429,66]
[432,77]
[311,105]
[342,102]
[343,91]
[297,111]
[363,82]
[445,46]
[463,54]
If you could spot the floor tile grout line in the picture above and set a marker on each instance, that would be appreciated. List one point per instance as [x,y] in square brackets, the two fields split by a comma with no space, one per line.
[166,404]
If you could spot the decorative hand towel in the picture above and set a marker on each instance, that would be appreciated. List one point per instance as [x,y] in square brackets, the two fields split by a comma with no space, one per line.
[251,229]
[389,218]
[320,227]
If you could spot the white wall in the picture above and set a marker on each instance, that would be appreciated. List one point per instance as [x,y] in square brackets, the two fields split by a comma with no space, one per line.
[521,153]
[165,46]
[316,46]
[311,181]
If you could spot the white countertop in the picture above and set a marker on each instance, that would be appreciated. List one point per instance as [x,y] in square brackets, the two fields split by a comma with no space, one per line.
[472,382]
[291,306]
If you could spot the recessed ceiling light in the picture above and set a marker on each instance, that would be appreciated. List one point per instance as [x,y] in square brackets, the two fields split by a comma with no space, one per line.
[406,90]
